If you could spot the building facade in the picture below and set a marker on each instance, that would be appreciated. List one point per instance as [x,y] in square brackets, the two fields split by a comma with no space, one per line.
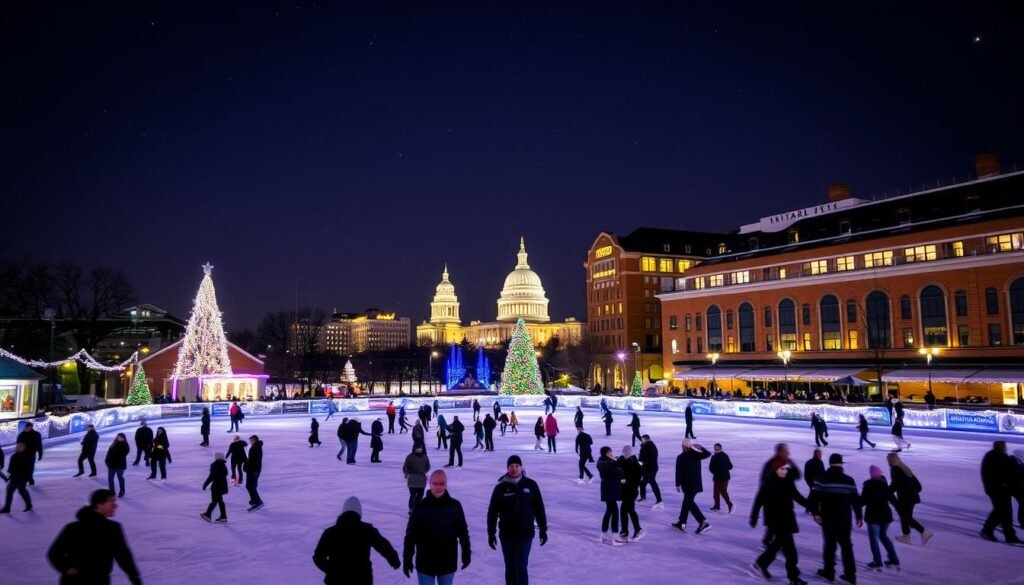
[371,330]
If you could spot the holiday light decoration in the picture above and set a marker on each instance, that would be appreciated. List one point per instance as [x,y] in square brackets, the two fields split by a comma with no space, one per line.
[348,375]
[483,368]
[138,393]
[205,348]
[81,355]
[637,387]
[521,374]
[455,371]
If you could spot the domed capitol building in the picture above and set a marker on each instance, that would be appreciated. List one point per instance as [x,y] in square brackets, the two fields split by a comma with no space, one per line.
[522,296]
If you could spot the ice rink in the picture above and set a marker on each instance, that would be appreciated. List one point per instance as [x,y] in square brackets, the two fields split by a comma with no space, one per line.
[304,489]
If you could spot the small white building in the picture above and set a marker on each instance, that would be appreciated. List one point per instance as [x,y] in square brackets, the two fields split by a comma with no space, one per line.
[19,389]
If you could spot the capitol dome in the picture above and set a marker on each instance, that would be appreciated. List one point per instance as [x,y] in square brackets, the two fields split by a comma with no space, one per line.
[523,294]
[445,306]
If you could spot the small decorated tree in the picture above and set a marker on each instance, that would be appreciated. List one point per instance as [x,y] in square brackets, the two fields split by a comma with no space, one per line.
[348,375]
[521,374]
[637,387]
[138,392]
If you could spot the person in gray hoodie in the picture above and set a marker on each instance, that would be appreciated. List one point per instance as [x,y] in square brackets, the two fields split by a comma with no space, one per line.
[415,468]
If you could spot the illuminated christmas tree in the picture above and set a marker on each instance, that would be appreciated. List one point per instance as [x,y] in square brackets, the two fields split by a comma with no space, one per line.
[521,374]
[205,348]
[348,375]
[139,393]
[637,387]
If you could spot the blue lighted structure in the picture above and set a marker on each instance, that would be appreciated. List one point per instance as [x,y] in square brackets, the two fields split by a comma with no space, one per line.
[483,368]
[455,371]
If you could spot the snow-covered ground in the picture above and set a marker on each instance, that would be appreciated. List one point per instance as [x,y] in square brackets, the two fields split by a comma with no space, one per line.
[304,489]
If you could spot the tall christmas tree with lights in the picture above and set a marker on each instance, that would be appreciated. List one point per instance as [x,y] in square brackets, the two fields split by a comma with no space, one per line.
[348,375]
[637,388]
[205,348]
[521,374]
[139,393]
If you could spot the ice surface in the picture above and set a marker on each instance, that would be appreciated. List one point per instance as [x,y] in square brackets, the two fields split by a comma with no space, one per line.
[304,489]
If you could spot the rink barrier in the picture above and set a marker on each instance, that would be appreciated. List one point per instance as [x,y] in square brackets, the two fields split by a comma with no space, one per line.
[985,421]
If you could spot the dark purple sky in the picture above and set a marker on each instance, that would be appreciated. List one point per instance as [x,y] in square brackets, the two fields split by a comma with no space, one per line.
[356,148]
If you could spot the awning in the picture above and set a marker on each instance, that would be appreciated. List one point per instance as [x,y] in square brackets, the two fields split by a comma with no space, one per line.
[997,376]
[709,372]
[950,376]
[832,374]
[774,374]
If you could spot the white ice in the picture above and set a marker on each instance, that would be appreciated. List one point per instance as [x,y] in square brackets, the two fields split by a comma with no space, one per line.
[304,489]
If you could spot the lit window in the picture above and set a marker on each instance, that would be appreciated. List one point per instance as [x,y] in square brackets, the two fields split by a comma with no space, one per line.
[844,263]
[741,277]
[958,249]
[648,264]
[852,334]
[665,265]
[698,283]
[878,259]
[675,346]
[684,265]
[919,253]
[807,341]
[815,267]
[794,236]
[716,280]
[1005,242]
[721,248]
[782,274]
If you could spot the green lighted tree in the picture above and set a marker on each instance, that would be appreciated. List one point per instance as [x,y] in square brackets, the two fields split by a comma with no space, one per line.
[139,393]
[521,374]
[637,387]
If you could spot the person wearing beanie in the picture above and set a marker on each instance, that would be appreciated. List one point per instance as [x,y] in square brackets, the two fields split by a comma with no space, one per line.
[776,495]
[834,499]
[633,471]
[516,509]
[217,480]
[689,482]
[612,480]
[436,531]
[343,552]
[719,466]
[584,444]
[877,496]
[85,550]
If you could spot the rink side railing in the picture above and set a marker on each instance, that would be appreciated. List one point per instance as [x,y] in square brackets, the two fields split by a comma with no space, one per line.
[985,421]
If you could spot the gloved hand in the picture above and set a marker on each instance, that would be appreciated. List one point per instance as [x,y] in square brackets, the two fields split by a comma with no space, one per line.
[396,563]
[407,569]
[492,541]
[543,537]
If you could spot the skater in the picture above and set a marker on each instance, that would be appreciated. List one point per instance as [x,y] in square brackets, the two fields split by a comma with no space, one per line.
[604,405]
[634,424]
[820,430]
[19,470]
[878,515]
[34,445]
[649,461]
[776,496]
[547,404]
[584,444]
[478,433]
[254,467]
[403,421]
[781,452]
[897,435]
[236,416]
[160,456]
[437,407]
[897,407]
[998,477]
[390,411]
[608,419]
[437,529]
[204,427]
[89,443]
[577,419]
[376,440]
[554,401]
[341,437]
[516,505]
[497,409]
[343,552]
[489,424]
[236,452]
[538,433]
[503,419]
[719,466]
[612,480]
[551,430]
[3,476]
[442,432]
[688,481]
[513,422]
[833,498]
[418,435]
[331,408]
[116,462]
[1018,457]
[353,428]
[424,415]
[907,489]
[85,550]
[455,430]
[476,409]
[688,415]
[143,443]
[862,428]
[814,469]
[217,481]
[314,433]
[415,468]
[633,472]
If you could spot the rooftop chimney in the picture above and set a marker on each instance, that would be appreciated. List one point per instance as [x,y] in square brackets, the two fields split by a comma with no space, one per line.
[986,165]
[838,192]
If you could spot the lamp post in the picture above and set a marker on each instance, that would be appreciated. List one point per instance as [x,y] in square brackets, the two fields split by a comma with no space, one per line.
[430,372]
[928,353]
[622,362]
[713,356]
[49,315]
[785,355]
[636,359]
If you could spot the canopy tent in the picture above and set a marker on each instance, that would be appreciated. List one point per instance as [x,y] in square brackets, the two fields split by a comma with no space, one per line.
[850,381]
[997,376]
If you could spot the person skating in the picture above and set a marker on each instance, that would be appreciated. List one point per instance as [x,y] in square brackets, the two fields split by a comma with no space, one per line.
[577,419]
[634,424]
[649,460]
[688,417]
[332,408]
[403,421]
[476,409]
[608,420]
[719,467]
[489,424]
[907,489]
[820,430]
[496,408]
[418,435]
[341,437]
[612,479]
[442,432]
[584,448]
[478,433]
[551,431]
[437,529]
[999,477]
[391,411]
[538,433]
[86,549]
[776,495]
[424,415]
[689,482]
[236,415]
[143,443]
[116,461]
[217,481]
[314,433]
[1018,494]
[437,407]
[814,469]
[350,434]
[630,490]
[376,440]
[834,499]
[343,551]
[204,427]
[929,399]
[516,506]
[160,455]
[89,444]
[503,421]
[253,468]
[415,468]
[455,430]
[792,474]
[3,476]
[862,428]
[19,472]
[513,422]
[33,442]
[876,498]
[897,435]
[236,453]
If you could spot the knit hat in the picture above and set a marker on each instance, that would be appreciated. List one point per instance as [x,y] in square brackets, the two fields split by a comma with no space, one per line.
[835,459]
[352,504]
[513,459]
[627,451]
[218,456]
[874,472]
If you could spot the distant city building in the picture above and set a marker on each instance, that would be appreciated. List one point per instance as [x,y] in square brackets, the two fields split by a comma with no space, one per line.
[372,330]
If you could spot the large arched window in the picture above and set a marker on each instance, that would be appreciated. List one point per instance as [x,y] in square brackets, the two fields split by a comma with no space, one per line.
[831,331]
[746,327]
[714,328]
[877,321]
[1017,310]
[787,325]
[933,317]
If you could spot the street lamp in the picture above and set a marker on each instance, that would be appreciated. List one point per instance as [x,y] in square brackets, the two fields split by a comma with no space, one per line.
[622,362]
[430,372]
[713,356]
[785,355]
[928,353]
[636,358]
[50,315]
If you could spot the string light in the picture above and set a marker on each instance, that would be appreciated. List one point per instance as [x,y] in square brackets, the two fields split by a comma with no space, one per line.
[204,350]
[80,356]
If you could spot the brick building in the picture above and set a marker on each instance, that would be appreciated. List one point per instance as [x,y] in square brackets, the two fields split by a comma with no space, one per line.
[371,330]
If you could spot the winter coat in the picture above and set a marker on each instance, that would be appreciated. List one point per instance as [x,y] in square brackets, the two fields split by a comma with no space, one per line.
[814,470]
[876,498]
[218,478]
[160,453]
[688,414]
[634,424]
[538,430]
[33,442]
[551,426]
[415,469]
[649,457]
[719,467]
[455,431]
[584,444]
[834,496]
[204,424]
[89,443]
[862,425]
[489,424]
[343,552]
[236,452]
[376,428]
[376,443]
[634,473]
[607,418]
[91,544]
[792,475]
[351,430]
[897,406]
[314,432]
[776,496]
[897,428]
[117,455]
[417,434]
[442,424]
[437,528]
[906,488]
[478,428]
[21,465]
[515,507]
[688,475]
[254,464]
[998,473]
[143,436]
[611,480]
[578,418]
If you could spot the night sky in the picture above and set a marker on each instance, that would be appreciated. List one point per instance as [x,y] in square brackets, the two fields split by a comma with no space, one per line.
[354,149]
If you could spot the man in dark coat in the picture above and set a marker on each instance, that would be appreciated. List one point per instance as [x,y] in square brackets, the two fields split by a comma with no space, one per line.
[649,460]
[720,466]
[143,442]
[998,477]
[820,430]
[34,445]
[19,470]
[204,427]
[376,440]
[634,424]
[89,444]
[833,498]
[217,480]
[455,430]
[688,415]
[776,495]
[437,528]
[689,482]
[516,506]
[584,448]
[343,552]
[254,466]
[608,419]
[85,550]
[489,424]
[350,432]
[577,419]
[814,469]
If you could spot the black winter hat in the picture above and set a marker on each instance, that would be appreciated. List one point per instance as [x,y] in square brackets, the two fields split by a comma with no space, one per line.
[514,459]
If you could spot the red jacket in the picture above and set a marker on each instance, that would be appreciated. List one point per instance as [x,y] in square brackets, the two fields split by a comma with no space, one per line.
[550,426]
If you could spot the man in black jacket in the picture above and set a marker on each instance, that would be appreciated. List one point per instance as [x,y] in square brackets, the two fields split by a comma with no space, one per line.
[350,432]
[143,442]
[34,445]
[89,443]
[343,552]
[688,415]
[437,528]
[584,448]
[455,430]
[833,498]
[85,550]
[649,459]
[814,469]
[516,505]
[254,466]
[489,424]
[998,477]
[20,470]
[577,419]
[719,466]
[688,481]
